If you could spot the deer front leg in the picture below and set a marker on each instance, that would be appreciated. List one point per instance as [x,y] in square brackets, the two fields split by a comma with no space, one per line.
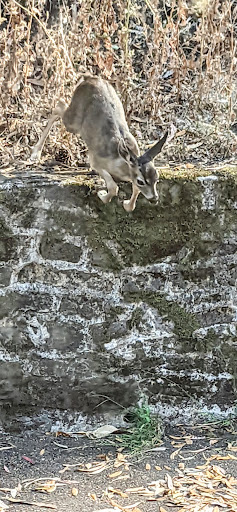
[130,204]
[111,186]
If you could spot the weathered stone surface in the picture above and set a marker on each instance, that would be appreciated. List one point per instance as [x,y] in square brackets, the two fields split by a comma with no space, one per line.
[53,247]
[95,302]
[5,274]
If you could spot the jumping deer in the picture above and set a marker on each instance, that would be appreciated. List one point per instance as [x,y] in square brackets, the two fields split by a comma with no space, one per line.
[97,114]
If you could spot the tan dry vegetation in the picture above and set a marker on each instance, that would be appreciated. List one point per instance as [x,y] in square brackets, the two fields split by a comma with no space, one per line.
[169,60]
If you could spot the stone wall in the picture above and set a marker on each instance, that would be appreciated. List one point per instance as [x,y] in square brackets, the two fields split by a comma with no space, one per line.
[96,303]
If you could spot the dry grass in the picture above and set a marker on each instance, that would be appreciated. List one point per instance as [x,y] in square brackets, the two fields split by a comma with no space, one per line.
[175,62]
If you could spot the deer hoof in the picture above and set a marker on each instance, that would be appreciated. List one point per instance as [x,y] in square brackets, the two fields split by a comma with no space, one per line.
[35,156]
[103,195]
[128,206]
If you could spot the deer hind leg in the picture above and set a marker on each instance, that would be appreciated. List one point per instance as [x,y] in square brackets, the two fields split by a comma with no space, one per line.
[56,114]
[130,204]
[111,186]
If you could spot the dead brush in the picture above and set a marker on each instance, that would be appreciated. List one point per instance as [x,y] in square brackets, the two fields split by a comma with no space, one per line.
[171,62]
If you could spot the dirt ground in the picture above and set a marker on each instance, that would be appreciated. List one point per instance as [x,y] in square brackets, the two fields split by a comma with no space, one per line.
[192,467]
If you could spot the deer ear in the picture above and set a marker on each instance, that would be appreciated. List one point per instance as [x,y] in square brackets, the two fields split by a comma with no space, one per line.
[126,153]
[153,151]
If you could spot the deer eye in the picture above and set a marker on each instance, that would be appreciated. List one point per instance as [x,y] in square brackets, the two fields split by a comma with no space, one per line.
[140,182]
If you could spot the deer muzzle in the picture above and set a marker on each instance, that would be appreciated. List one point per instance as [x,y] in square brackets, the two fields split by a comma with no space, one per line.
[153,200]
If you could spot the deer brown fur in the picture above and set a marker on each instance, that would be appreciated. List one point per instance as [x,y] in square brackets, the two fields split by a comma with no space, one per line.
[97,114]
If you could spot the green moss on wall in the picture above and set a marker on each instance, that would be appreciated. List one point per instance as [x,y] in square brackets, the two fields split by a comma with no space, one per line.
[226,172]
[184,323]
[151,233]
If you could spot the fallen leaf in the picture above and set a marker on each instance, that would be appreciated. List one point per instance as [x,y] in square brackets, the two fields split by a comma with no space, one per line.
[74,491]
[179,134]
[118,491]
[123,477]
[148,467]
[158,468]
[93,468]
[213,441]
[218,470]
[181,465]
[61,445]
[223,457]
[64,469]
[186,458]
[16,490]
[104,431]
[113,475]
[27,459]
[6,469]
[102,456]
[124,509]
[188,441]
[3,506]
[33,503]
[120,460]
[199,450]
[42,451]
[146,493]
[232,448]
[170,482]
[121,457]
[173,454]
[93,497]
[177,445]
[48,486]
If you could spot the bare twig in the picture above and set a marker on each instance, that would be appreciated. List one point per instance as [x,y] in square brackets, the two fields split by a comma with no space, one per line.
[33,503]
